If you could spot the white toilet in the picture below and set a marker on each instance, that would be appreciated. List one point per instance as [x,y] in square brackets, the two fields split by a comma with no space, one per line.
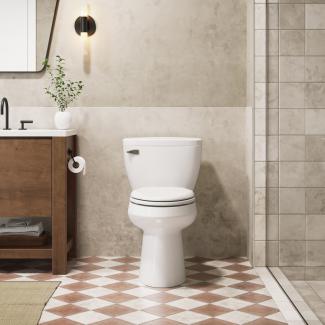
[162,173]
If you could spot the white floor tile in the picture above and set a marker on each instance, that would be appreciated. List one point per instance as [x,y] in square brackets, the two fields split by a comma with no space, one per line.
[188,317]
[184,292]
[233,303]
[88,317]
[94,303]
[139,304]
[238,317]
[138,317]
[186,303]
[228,292]
[97,292]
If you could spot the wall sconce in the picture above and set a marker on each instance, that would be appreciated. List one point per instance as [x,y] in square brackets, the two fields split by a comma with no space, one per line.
[85,25]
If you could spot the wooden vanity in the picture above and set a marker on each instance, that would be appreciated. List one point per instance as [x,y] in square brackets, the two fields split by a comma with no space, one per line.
[35,182]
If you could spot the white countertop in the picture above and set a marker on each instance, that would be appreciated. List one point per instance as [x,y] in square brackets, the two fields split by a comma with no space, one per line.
[32,133]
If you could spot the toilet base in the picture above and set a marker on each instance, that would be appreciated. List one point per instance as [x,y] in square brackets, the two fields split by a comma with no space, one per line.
[162,260]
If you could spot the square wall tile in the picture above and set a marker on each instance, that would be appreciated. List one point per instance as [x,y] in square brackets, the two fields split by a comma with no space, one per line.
[315,121]
[315,69]
[272,95]
[315,42]
[292,227]
[260,43]
[272,253]
[260,16]
[292,68]
[292,121]
[315,253]
[272,16]
[272,42]
[315,148]
[292,95]
[292,200]
[292,42]
[260,95]
[266,42]
[260,148]
[272,174]
[261,69]
[292,16]
[272,66]
[266,69]
[266,16]
[315,174]
[272,201]
[315,95]
[260,201]
[292,174]
[272,148]
[315,227]
[260,174]
[292,148]
[260,122]
[260,227]
[266,174]
[266,95]
[315,16]
[315,200]
[272,227]
[272,122]
[259,253]
[292,253]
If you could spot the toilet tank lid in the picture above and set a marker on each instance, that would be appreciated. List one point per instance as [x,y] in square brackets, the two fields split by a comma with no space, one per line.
[162,141]
[162,194]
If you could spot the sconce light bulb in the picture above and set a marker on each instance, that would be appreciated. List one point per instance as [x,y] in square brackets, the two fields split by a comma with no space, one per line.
[84,35]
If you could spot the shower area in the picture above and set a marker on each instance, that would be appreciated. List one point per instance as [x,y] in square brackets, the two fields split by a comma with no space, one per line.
[289,150]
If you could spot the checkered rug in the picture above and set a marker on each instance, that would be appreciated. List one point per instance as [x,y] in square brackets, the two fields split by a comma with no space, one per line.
[106,291]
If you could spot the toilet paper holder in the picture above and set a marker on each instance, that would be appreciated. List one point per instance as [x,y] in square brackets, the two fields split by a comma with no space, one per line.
[75,163]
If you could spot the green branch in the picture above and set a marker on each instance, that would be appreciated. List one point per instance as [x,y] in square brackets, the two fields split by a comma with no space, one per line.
[62,90]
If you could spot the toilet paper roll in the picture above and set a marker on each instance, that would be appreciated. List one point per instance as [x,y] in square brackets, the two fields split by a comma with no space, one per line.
[81,168]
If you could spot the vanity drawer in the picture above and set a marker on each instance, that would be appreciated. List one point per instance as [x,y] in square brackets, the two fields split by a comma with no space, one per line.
[25,177]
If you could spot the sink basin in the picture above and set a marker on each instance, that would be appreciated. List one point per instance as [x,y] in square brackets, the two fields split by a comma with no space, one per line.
[37,133]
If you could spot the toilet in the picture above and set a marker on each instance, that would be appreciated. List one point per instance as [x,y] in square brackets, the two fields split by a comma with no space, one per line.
[162,173]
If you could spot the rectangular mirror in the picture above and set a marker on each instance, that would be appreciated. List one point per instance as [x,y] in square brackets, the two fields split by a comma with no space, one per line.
[25,34]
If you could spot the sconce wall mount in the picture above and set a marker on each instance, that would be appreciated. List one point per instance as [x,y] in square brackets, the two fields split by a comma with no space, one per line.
[85,24]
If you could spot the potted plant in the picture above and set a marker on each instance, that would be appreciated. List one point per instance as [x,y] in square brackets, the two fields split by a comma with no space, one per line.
[63,91]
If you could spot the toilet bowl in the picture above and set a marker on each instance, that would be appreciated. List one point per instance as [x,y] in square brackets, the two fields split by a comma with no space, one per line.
[162,173]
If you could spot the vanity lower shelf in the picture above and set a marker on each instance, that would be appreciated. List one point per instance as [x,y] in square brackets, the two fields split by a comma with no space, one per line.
[39,252]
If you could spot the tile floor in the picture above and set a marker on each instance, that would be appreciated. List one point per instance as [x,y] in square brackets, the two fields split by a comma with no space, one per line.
[106,290]
[313,293]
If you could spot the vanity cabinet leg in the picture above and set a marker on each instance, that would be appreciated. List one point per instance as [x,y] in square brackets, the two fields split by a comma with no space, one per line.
[71,197]
[59,206]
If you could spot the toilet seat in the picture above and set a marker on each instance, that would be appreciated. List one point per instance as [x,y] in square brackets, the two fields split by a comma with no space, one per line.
[162,196]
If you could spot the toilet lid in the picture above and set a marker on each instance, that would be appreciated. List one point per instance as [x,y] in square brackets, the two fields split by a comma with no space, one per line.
[162,194]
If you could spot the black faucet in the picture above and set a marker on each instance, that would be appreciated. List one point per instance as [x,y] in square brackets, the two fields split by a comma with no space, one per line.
[4,102]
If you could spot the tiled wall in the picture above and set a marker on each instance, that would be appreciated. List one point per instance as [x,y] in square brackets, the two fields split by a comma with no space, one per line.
[290,136]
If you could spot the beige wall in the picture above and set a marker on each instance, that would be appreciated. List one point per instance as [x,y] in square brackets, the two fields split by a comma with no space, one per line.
[149,53]
[160,67]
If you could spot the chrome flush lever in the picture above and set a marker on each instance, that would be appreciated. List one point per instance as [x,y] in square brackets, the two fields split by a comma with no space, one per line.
[134,152]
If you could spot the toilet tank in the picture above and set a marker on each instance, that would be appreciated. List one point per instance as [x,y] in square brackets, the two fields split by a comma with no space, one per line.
[154,162]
